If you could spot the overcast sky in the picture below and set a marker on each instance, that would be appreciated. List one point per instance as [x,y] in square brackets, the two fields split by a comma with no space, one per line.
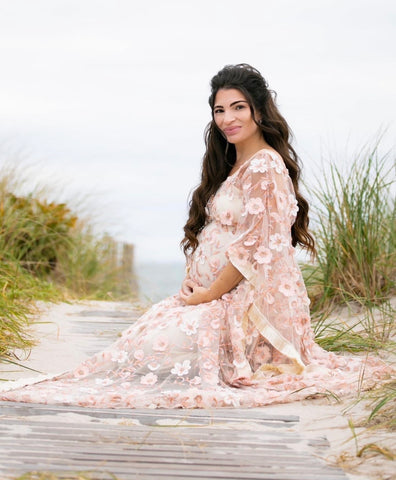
[111,95]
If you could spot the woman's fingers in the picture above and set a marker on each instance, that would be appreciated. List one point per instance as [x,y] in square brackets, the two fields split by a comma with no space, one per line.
[187,286]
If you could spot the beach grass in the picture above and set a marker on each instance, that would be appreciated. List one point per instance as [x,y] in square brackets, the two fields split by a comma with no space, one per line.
[355,229]
[50,252]
[352,283]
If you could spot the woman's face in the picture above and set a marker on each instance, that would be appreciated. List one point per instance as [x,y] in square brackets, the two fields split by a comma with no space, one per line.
[232,115]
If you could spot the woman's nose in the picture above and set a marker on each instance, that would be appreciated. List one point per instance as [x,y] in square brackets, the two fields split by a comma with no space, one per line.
[228,116]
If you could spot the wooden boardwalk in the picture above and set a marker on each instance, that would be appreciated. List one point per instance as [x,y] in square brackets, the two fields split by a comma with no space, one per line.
[223,444]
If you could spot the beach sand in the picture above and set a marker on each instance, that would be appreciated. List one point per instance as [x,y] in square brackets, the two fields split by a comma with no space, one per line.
[61,347]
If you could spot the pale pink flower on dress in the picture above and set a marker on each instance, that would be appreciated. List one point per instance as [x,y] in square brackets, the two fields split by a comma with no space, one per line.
[126,373]
[287,286]
[259,165]
[269,298]
[215,323]
[106,356]
[278,242]
[255,206]
[181,369]
[200,257]
[149,379]
[196,380]
[90,391]
[189,326]
[265,184]
[247,186]
[226,217]
[263,255]
[204,341]
[263,354]
[294,273]
[160,343]
[207,365]
[240,364]
[82,371]
[214,265]
[153,366]
[250,240]
[126,385]
[293,303]
[242,255]
[232,400]
[162,325]
[293,205]
[276,165]
[120,357]
[104,382]
[139,355]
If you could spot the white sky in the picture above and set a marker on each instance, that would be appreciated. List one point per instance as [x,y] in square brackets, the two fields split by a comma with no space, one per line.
[111,95]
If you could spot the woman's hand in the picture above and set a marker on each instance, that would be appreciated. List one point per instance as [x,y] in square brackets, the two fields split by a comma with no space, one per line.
[196,295]
[187,286]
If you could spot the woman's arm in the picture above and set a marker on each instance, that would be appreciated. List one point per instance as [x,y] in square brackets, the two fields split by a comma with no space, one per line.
[228,278]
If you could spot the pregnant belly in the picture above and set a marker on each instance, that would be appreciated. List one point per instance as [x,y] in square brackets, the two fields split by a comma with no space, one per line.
[209,258]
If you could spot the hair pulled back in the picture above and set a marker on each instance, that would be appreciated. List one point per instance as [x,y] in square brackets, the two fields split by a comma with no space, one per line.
[220,156]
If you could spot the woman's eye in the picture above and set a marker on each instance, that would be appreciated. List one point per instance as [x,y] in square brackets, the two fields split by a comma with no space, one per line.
[218,110]
[239,107]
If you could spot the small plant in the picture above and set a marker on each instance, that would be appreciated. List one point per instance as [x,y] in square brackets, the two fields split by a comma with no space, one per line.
[34,231]
[355,230]
[48,252]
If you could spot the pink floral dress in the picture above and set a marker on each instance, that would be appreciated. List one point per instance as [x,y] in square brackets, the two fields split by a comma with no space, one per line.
[252,347]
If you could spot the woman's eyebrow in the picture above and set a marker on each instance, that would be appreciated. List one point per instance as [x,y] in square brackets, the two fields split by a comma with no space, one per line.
[233,103]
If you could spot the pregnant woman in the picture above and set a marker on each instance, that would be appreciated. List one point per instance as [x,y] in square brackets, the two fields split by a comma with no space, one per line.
[238,333]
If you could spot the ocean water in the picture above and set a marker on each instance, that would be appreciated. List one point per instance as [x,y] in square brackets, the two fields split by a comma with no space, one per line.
[158,280]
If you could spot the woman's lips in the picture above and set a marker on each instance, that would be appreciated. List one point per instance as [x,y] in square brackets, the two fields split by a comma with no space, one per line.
[231,130]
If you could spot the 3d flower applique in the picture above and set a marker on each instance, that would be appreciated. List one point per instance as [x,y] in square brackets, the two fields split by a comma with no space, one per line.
[242,255]
[255,206]
[103,382]
[276,165]
[287,286]
[259,165]
[263,255]
[138,355]
[149,379]
[181,369]
[196,380]
[120,357]
[153,366]
[278,242]
[161,343]
[189,326]
[250,240]
[226,217]
[293,207]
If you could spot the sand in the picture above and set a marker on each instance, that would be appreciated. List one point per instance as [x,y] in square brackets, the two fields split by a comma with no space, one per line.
[60,349]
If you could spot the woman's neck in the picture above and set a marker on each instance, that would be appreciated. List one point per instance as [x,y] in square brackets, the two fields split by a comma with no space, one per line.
[246,151]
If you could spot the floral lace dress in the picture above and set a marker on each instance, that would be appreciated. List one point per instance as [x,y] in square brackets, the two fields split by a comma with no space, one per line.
[252,347]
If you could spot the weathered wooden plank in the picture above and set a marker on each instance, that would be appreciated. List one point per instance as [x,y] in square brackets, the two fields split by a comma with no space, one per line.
[117,465]
[146,444]
[239,414]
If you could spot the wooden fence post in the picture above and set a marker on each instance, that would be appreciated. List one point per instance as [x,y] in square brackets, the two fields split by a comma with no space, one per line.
[128,281]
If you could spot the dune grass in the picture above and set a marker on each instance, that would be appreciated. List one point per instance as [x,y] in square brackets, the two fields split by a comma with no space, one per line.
[49,252]
[355,230]
[352,283]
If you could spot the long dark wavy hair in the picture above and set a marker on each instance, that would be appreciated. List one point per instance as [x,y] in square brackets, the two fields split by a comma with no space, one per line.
[220,156]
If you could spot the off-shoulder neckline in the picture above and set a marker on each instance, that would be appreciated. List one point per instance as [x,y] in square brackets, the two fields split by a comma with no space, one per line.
[249,159]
